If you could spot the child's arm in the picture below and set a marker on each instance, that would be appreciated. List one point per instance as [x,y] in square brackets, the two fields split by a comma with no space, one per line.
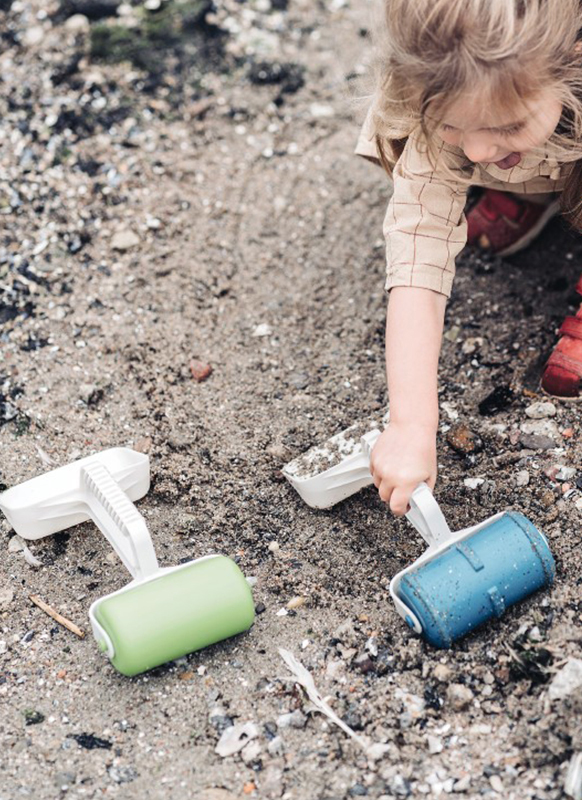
[405,453]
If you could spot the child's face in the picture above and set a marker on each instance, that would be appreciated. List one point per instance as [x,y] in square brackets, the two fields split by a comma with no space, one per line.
[500,137]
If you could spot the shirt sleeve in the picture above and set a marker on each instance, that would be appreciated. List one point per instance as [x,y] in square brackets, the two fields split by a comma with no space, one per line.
[425,226]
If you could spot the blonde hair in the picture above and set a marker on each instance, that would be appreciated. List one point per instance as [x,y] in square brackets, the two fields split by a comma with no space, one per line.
[431,52]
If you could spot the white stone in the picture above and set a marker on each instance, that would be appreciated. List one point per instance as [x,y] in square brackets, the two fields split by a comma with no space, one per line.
[541,427]
[567,680]
[320,110]
[78,23]
[262,330]
[33,36]
[522,478]
[235,738]
[124,240]
[435,744]
[541,410]
[473,483]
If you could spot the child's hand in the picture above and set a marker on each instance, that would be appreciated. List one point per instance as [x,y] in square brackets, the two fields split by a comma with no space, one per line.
[403,457]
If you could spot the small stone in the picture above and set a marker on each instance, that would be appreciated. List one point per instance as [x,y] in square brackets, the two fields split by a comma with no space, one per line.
[565,473]
[296,602]
[143,444]
[235,738]
[567,681]
[568,433]
[78,24]
[274,547]
[452,333]
[463,440]
[33,36]
[442,673]
[294,719]
[124,240]
[435,744]
[541,410]
[522,478]
[472,344]
[90,394]
[262,330]
[462,784]
[3,647]
[459,696]
[278,452]
[251,752]
[531,441]
[473,483]
[6,597]
[496,784]
[541,427]
[199,370]
[320,110]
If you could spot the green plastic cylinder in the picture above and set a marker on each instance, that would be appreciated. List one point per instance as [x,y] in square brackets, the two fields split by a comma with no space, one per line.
[179,612]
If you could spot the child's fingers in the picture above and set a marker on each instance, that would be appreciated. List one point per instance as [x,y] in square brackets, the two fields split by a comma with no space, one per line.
[399,501]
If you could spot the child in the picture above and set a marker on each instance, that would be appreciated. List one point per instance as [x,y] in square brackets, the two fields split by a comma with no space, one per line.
[485,93]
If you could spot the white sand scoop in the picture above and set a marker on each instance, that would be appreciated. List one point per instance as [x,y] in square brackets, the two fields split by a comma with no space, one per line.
[325,475]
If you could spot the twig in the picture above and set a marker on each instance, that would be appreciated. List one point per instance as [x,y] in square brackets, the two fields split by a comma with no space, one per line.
[56,616]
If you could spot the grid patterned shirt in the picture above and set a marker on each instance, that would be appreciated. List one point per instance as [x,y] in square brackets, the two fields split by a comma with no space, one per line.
[425,226]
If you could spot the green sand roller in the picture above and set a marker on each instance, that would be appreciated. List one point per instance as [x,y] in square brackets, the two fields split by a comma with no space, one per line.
[165,612]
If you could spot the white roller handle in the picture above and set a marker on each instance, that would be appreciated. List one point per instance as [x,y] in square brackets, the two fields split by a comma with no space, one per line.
[118,520]
[427,517]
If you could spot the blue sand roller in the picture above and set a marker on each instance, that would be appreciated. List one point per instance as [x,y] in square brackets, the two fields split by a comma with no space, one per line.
[464,579]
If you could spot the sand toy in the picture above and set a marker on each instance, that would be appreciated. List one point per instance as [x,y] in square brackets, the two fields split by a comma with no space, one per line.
[462,579]
[164,612]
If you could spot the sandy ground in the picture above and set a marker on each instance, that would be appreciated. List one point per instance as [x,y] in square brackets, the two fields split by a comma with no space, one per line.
[257,250]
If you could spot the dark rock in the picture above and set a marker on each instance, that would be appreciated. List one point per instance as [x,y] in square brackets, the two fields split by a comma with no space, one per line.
[90,742]
[534,441]
[357,790]
[32,717]
[463,440]
[498,400]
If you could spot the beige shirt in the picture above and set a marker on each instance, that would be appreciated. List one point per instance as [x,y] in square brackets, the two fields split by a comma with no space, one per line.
[425,226]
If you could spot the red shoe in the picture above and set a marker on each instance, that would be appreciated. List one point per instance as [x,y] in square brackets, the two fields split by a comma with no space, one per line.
[503,223]
[562,375]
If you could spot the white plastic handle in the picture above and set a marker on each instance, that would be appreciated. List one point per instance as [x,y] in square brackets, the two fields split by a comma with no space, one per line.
[427,517]
[119,520]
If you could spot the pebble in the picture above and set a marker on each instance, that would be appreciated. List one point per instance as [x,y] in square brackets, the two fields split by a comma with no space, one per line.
[235,738]
[278,452]
[459,696]
[435,745]
[296,602]
[463,440]
[262,330]
[532,441]
[541,427]
[462,784]
[3,647]
[541,410]
[78,23]
[33,36]
[473,483]
[124,240]
[122,774]
[293,719]
[320,110]
[199,370]
[567,681]
[496,784]
[522,478]
[442,673]
[274,547]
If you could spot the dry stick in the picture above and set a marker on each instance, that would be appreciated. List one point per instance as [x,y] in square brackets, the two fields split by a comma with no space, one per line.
[56,616]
